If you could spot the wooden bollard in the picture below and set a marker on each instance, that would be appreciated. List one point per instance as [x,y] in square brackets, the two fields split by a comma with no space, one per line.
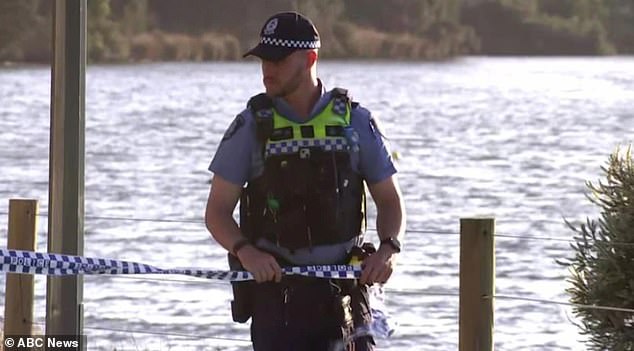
[477,283]
[18,303]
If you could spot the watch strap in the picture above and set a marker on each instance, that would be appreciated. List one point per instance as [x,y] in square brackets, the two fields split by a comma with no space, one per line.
[393,242]
[238,245]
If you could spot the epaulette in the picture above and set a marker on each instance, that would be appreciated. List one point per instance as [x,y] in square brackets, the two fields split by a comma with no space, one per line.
[342,100]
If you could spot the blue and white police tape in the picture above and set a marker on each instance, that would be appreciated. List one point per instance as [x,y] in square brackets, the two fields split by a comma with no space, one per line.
[30,262]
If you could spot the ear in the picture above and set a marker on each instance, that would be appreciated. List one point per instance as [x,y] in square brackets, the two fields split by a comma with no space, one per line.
[311,58]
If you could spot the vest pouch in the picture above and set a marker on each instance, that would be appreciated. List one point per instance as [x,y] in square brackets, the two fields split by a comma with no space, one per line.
[291,228]
[323,197]
[242,303]
[350,209]
[334,205]
[287,175]
[287,180]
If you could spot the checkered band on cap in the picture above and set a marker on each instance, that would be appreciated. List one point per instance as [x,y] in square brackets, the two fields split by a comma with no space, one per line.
[288,43]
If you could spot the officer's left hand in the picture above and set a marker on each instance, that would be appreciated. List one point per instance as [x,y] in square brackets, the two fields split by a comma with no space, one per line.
[378,267]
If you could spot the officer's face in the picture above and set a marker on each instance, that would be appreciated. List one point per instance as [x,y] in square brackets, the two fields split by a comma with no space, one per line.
[283,77]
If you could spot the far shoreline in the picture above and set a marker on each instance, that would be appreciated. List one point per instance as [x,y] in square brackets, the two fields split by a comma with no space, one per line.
[31,64]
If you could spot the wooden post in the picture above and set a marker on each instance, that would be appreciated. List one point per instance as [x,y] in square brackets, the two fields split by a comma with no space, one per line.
[477,283]
[64,295]
[18,303]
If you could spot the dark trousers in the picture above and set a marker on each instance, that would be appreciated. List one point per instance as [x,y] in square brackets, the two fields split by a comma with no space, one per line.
[304,314]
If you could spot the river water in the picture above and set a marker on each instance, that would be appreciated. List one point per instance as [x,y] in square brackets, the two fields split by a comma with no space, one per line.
[512,138]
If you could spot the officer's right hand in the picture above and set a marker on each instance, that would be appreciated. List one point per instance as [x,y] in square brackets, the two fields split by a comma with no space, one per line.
[262,265]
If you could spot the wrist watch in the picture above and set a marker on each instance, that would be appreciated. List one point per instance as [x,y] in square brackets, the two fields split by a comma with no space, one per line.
[393,242]
[242,242]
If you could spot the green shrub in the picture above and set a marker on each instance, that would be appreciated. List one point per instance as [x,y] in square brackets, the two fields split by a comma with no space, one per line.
[520,30]
[602,270]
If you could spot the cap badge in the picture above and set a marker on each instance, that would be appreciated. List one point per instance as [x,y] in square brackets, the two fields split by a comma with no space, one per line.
[270,27]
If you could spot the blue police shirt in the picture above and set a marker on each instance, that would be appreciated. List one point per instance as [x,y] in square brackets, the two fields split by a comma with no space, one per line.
[238,158]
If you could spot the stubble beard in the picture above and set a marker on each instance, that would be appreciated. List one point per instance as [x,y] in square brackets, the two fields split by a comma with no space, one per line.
[290,86]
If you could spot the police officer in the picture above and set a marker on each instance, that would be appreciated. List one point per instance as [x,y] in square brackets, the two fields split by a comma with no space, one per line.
[305,154]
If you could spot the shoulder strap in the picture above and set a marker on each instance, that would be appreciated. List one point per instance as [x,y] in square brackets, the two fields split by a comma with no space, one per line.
[344,96]
[340,93]
[261,107]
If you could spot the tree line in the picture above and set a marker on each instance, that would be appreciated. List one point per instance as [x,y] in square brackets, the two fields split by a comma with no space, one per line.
[120,30]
